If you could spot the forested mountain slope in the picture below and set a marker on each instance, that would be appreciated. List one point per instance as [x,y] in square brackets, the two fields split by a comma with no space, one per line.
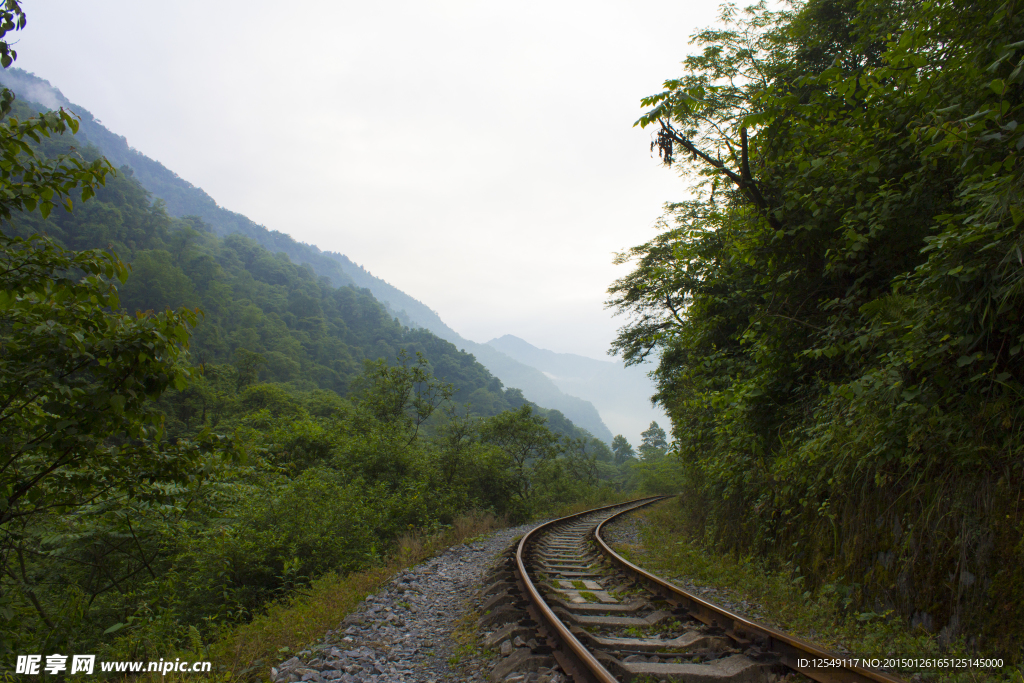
[184,199]
[310,334]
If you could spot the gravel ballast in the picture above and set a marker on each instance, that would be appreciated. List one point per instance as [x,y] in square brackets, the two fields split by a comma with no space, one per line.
[404,633]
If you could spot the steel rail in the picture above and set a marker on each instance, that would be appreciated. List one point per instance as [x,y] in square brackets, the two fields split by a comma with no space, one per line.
[791,648]
[592,666]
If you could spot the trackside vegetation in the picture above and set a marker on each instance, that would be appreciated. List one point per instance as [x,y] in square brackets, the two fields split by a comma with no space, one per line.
[837,309]
[778,595]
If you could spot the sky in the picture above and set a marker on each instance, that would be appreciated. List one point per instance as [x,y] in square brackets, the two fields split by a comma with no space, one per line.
[479,156]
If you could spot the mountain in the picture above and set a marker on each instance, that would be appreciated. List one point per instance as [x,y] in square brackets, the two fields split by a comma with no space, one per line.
[621,394]
[182,199]
[513,372]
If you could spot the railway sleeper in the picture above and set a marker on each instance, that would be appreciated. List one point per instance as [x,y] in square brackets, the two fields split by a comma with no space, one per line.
[505,614]
[634,606]
[602,621]
[510,596]
[587,558]
[691,643]
[586,573]
[575,597]
[736,668]
[498,587]
[509,632]
[559,567]
[522,660]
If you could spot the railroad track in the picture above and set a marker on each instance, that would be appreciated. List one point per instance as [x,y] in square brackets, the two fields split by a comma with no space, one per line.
[566,595]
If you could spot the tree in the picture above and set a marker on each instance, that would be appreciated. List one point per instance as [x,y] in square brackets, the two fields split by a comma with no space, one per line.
[580,462]
[78,424]
[622,449]
[12,18]
[26,181]
[455,442]
[405,394]
[653,442]
[247,365]
[525,440]
[77,378]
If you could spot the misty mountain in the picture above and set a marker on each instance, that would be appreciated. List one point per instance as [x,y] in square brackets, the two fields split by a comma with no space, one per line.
[513,372]
[182,198]
[621,394]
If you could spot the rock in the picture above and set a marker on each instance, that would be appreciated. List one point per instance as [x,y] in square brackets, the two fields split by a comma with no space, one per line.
[505,648]
[290,664]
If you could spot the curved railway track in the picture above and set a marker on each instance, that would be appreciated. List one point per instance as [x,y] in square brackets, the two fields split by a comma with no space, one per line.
[604,619]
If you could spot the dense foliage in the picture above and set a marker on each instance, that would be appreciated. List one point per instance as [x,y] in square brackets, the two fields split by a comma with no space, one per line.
[837,309]
[194,426]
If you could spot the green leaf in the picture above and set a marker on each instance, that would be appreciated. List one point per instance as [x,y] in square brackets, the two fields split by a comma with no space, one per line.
[1017,75]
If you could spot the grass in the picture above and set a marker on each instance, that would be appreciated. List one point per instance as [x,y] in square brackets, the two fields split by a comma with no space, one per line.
[467,639]
[820,616]
[602,498]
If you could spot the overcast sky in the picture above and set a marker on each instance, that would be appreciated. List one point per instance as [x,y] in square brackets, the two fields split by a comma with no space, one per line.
[480,156]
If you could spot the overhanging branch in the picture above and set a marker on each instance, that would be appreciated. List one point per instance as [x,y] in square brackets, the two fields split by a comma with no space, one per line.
[743,180]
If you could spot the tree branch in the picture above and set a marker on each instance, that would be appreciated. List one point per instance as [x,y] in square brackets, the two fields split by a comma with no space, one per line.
[28,591]
[743,180]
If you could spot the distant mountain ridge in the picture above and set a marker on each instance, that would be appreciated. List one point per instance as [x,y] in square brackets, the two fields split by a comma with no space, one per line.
[182,198]
[621,394]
